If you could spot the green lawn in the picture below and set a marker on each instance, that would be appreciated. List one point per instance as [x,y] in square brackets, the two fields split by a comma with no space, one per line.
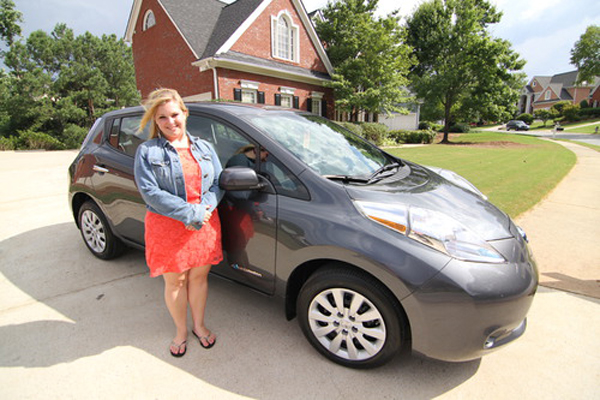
[515,172]
[584,129]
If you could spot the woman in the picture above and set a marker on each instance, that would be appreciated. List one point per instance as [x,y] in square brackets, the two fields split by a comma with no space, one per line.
[177,175]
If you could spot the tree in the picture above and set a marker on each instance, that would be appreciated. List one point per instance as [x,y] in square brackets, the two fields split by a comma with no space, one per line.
[370,60]
[585,54]
[545,115]
[462,71]
[9,22]
[58,81]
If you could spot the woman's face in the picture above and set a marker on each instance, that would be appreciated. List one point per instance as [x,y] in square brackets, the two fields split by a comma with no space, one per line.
[170,119]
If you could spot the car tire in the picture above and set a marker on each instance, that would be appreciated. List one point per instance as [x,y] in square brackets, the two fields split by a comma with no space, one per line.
[96,233]
[328,326]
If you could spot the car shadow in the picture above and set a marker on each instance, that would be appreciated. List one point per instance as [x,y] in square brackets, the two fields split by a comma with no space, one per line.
[60,304]
[559,281]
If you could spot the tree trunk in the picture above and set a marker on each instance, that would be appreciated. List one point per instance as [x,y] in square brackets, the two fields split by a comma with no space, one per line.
[447,108]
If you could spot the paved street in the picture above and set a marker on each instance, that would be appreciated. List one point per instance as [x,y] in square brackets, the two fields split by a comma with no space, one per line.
[549,134]
[73,326]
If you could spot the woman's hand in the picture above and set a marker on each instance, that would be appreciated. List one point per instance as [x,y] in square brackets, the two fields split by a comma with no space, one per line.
[207,216]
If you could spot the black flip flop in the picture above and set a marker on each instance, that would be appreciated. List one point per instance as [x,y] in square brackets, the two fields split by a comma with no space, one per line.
[205,338]
[184,343]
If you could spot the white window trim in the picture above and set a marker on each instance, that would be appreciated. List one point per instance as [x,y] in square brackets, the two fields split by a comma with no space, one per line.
[249,85]
[287,90]
[295,32]
[317,98]
[250,92]
[547,95]
[148,14]
[287,101]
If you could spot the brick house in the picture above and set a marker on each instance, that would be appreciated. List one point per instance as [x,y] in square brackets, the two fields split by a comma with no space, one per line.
[254,51]
[543,92]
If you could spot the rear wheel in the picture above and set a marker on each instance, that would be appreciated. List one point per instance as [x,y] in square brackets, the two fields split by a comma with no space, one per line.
[96,232]
[350,318]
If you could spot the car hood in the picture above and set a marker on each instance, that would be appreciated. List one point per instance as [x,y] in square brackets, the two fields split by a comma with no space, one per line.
[417,186]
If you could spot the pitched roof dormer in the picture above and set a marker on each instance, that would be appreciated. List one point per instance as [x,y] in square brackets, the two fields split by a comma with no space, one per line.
[212,29]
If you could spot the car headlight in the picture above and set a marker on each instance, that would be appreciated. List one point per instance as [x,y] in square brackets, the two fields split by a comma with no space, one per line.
[433,229]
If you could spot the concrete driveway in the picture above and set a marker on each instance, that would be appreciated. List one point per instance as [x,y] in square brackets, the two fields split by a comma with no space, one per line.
[73,326]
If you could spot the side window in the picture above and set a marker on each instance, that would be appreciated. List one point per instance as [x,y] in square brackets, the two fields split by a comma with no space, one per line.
[285,182]
[235,150]
[124,134]
[226,141]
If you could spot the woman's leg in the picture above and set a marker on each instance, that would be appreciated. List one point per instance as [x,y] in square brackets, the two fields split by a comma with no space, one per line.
[197,297]
[176,297]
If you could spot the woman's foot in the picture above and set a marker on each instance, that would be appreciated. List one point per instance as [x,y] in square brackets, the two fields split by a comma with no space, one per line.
[207,341]
[178,350]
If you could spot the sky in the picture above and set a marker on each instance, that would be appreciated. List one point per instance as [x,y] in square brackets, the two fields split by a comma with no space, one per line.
[543,32]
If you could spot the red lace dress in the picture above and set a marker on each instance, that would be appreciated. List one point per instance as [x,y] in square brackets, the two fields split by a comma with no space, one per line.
[170,247]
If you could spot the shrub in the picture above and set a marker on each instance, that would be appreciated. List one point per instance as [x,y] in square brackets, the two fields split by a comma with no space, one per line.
[590,112]
[526,117]
[73,136]
[459,128]
[425,125]
[352,127]
[38,141]
[584,104]
[420,136]
[571,112]
[8,143]
[558,107]
[374,132]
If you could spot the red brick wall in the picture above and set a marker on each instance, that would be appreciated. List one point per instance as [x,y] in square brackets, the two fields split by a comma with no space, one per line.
[595,98]
[229,80]
[256,41]
[163,59]
[537,88]
[579,94]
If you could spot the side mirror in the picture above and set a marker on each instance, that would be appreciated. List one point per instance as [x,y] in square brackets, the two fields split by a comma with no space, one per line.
[239,178]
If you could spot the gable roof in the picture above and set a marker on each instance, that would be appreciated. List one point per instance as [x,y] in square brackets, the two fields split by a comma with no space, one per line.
[566,79]
[211,27]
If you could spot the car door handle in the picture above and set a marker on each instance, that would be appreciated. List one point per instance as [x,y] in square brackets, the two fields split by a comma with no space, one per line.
[100,169]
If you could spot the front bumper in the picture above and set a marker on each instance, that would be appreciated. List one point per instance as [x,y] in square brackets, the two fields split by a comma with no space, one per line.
[470,309]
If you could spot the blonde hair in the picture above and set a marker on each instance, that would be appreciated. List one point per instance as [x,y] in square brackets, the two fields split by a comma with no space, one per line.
[156,99]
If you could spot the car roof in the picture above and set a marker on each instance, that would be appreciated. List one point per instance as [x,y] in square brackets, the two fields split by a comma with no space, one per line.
[227,107]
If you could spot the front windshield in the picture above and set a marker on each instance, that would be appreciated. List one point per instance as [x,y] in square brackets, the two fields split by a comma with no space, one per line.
[322,145]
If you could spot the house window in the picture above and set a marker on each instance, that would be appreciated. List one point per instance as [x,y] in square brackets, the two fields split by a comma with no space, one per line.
[248,96]
[316,106]
[533,83]
[286,100]
[316,103]
[547,95]
[286,97]
[249,92]
[149,20]
[284,37]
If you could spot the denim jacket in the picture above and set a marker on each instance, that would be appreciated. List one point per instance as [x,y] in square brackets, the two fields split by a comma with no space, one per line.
[159,178]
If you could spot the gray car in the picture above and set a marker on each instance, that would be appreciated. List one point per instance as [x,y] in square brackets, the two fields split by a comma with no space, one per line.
[371,253]
[517,125]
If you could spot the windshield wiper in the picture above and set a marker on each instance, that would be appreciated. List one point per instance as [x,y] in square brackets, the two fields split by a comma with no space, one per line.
[376,175]
[347,178]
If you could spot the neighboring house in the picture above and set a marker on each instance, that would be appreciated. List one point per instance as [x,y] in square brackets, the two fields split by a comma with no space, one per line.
[254,51]
[396,121]
[543,92]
